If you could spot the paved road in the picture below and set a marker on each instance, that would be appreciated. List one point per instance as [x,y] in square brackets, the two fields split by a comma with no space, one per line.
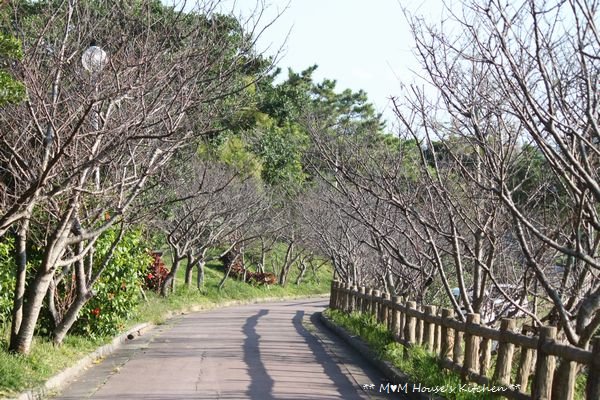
[261,352]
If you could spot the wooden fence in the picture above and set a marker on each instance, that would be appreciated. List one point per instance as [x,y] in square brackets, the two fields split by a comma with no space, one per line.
[466,347]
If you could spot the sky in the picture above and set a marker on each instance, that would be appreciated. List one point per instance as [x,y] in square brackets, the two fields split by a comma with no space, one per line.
[361,44]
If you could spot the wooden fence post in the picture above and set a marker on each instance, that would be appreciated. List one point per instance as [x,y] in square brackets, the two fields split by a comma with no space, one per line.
[376,304]
[419,328]
[361,301]
[486,356]
[592,389]
[541,387]
[505,353]
[341,296]
[385,310]
[525,364]
[348,298]
[438,336]
[338,296]
[471,349]
[396,317]
[369,301]
[457,351]
[331,295]
[429,329]
[409,326]
[401,318]
[355,299]
[563,384]
[447,344]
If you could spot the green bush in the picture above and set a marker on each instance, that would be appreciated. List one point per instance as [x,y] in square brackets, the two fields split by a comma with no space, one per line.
[7,279]
[117,293]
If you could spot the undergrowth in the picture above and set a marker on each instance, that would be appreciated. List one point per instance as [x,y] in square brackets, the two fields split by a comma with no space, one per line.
[422,367]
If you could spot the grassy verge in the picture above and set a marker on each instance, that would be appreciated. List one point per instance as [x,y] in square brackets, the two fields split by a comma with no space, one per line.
[18,373]
[157,308]
[421,366]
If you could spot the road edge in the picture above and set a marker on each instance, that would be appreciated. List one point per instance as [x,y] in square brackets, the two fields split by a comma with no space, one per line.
[393,374]
[66,376]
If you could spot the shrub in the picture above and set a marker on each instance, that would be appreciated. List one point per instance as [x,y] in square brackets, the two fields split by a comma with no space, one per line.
[156,273]
[7,279]
[117,292]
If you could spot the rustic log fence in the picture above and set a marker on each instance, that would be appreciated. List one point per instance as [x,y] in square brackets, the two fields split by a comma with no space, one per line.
[545,369]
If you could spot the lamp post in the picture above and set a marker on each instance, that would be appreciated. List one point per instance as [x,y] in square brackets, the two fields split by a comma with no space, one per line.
[94,59]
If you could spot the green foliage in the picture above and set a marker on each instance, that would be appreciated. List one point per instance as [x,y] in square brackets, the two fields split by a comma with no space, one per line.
[7,278]
[270,124]
[10,47]
[118,290]
[533,185]
[11,90]
[234,152]
[281,150]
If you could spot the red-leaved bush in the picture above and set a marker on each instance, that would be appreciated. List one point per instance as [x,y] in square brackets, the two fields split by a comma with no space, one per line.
[156,273]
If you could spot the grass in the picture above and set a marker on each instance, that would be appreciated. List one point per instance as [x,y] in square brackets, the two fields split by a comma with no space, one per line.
[184,298]
[18,373]
[422,367]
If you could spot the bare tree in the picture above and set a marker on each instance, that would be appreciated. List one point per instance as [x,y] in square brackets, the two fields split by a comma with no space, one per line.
[426,220]
[79,152]
[216,205]
[519,85]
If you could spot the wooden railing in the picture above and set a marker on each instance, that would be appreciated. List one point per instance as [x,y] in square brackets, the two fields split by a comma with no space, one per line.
[466,347]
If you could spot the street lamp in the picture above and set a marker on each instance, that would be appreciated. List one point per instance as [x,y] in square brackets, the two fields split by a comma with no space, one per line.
[94,60]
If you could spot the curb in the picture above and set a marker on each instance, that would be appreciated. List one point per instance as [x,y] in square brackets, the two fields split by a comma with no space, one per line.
[393,374]
[64,377]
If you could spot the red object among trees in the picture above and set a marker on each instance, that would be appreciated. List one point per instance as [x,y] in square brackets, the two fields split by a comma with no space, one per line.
[156,273]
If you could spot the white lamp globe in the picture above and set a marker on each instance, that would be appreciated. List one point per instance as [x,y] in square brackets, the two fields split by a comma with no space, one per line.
[94,59]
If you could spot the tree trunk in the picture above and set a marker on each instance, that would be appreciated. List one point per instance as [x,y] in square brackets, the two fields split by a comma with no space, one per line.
[168,284]
[200,276]
[189,269]
[21,342]
[85,282]
[287,264]
[61,330]
[264,249]
[36,292]
[303,268]
[222,283]
[21,275]
[83,295]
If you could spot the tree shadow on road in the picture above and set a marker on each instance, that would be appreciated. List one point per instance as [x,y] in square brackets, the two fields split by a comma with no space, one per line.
[261,384]
[345,387]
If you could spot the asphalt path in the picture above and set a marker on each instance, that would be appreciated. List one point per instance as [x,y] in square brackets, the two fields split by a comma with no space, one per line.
[262,352]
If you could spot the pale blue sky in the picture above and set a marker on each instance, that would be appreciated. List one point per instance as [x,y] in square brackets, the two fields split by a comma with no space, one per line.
[361,44]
